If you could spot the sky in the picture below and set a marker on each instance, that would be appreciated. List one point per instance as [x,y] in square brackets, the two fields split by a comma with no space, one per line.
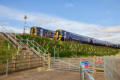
[94,18]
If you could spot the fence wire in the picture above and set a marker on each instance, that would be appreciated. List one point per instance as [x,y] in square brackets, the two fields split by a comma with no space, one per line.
[68,66]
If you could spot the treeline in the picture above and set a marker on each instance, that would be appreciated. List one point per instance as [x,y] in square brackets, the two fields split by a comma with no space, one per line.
[71,48]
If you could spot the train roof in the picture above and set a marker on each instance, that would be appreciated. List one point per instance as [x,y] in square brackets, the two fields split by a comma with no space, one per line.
[75,33]
[42,28]
[88,37]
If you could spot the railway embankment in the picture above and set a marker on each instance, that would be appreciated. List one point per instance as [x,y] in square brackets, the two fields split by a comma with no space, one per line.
[70,48]
[6,48]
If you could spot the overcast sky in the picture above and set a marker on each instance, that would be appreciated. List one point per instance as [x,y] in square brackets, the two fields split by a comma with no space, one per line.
[95,18]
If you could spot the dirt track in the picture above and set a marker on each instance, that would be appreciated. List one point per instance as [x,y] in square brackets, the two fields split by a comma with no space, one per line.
[40,74]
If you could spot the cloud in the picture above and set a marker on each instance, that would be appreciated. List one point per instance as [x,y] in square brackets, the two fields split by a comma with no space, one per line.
[12,29]
[115,29]
[110,33]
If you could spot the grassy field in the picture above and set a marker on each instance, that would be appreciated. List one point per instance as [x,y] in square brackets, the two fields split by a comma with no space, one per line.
[71,49]
[6,48]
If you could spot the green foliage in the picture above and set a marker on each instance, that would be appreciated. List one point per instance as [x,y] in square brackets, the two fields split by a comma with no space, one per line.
[6,48]
[70,48]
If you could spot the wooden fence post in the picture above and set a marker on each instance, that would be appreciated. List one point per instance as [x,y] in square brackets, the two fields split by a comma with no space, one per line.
[15,62]
[7,67]
[40,60]
[49,61]
[29,60]
[94,72]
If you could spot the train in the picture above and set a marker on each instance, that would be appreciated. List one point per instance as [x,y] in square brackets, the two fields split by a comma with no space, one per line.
[69,36]
[39,31]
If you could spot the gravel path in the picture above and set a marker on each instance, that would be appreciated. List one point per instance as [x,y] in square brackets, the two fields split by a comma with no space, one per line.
[42,74]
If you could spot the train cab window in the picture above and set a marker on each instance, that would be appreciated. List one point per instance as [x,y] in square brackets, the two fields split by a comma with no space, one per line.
[59,33]
[33,30]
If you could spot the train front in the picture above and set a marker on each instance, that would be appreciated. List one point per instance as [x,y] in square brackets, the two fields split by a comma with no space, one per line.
[33,31]
[58,34]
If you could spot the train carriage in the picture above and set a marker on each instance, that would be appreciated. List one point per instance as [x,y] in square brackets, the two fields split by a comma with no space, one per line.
[38,31]
[99,42]
[65,35]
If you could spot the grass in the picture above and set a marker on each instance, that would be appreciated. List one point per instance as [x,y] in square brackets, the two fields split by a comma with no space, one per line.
[71,49]
[6,48]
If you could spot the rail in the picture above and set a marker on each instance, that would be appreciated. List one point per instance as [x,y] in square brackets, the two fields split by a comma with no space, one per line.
[19,42]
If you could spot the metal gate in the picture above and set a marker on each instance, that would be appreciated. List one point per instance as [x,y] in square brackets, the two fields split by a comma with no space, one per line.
[62,65]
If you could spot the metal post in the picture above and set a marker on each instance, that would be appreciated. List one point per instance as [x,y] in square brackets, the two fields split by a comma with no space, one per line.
[54,54]
[18,50]
[25,17]
[33,43]
[8,46]
[27,41]
[57,53]
[49,61]
[79,73]
[7,68]
[83,75]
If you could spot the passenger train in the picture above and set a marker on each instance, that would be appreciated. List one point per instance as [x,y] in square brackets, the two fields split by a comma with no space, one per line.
[38,31]
[68,36]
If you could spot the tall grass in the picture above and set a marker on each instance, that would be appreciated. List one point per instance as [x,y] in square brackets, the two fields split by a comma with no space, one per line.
[70,48]
[6,48]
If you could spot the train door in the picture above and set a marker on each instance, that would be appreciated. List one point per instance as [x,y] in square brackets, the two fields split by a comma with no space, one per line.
[41,32]
[90,41]
[64,35]
[70,37]
[59,34]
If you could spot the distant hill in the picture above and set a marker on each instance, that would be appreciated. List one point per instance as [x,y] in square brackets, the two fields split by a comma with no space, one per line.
[71,49]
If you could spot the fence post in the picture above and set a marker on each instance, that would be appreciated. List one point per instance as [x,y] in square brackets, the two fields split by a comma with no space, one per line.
[69,66]
[49,61]
[15,62]
[54,54]
[83,74]
[79,73]
[33,44]
[7,67]
[29,60]
[27,42]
